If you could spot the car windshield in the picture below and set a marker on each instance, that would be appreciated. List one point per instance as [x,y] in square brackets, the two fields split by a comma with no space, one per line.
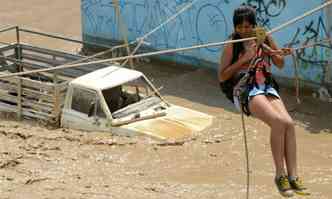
[130,98]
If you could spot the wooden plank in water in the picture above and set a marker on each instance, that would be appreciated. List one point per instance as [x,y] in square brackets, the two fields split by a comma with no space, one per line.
[7,86]
[4,95]
[36,94]
[37,106]
[48,86]
[14,99]
[9,47]
[27,93]
[37,114]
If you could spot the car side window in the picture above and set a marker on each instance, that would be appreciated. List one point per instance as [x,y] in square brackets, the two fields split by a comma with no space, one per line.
[100,112]
[83,100]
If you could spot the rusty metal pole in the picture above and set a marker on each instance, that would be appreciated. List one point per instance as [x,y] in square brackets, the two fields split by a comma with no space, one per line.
[328,75]
[123,30]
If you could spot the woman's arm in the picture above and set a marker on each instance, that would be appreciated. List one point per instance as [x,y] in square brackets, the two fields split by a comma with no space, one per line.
[226,69]
[275,53]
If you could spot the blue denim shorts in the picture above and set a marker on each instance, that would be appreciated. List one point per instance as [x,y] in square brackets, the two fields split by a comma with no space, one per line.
[261,90]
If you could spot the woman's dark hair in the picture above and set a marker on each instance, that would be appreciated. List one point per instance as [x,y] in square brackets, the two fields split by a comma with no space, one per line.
[244,13]
[241,14]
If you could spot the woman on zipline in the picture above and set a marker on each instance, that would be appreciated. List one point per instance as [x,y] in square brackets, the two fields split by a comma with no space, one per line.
[262,99]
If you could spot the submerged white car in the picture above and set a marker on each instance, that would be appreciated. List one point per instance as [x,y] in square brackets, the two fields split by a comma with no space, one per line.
[124,102]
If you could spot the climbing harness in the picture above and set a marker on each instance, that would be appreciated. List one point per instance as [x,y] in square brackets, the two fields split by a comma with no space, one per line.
[249,81]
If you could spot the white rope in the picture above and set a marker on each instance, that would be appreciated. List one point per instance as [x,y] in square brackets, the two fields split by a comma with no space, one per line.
[312,44]
[296,66]
[5,43]
[97,54]
[124,57]
[246,151]
[140,40]
[297,78]
[7,28]
[189,5]
[140,43]
[146,35]
[169,50]
[310,12]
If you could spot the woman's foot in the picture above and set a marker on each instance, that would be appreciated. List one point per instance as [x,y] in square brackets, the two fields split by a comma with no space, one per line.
[283,186]
[297,185]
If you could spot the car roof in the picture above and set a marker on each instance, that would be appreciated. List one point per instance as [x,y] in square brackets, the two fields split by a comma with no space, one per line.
[107,77]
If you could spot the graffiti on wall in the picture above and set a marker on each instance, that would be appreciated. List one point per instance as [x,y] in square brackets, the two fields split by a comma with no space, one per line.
[319,55]
[204,22]
[267,9]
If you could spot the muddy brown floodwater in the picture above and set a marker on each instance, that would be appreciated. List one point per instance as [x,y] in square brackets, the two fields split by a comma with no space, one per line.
[39,162]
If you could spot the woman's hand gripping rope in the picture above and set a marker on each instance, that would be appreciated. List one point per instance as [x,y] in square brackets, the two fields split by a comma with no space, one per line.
[261,36]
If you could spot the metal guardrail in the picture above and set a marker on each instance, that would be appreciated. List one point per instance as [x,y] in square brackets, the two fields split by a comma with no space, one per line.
[8,28]
[54,36]
[45,34]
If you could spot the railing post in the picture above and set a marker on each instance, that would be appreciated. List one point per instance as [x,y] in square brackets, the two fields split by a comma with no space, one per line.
[19,98]
[17,35]
[18,49]
[56,95]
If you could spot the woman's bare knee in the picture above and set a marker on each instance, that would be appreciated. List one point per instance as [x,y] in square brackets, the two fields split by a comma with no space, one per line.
[283,123]
[290,126]
[290,123]
[279,106]
[278,121]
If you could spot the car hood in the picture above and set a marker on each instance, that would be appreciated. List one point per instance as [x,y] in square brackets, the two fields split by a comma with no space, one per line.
[178,123]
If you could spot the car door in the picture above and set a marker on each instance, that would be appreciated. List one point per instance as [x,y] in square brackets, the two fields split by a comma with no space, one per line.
[85,112]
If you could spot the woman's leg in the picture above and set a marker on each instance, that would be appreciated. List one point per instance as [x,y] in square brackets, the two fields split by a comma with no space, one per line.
[290,138]
[261,107]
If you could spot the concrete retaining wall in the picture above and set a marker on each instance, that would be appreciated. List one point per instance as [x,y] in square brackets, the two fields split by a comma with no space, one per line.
[210,21]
